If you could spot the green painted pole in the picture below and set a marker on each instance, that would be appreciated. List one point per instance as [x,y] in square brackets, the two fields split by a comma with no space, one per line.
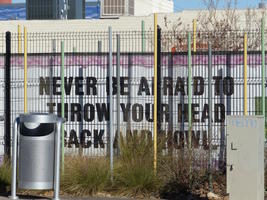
[143,36]
[62,104]
[263,65]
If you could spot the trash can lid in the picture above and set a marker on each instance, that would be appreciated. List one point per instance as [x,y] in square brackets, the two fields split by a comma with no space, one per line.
[39,118]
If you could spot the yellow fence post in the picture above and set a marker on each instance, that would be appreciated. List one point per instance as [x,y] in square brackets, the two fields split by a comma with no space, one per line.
[155,90]
[25,71]
[245,75]
[194,35]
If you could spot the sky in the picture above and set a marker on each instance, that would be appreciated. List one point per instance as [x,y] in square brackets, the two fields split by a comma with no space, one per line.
[198,4]
[180,5]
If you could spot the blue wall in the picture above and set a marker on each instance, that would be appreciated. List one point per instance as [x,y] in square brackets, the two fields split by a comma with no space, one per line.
[8,12]
[92,12]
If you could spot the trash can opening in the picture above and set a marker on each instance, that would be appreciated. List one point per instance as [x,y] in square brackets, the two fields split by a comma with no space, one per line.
[36,129]
[31,125]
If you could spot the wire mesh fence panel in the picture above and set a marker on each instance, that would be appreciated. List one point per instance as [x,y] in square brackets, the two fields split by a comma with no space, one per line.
[86,89]
[86,94]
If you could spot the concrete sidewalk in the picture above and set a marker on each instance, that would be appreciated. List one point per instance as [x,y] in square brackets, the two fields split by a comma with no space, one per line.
[67,198]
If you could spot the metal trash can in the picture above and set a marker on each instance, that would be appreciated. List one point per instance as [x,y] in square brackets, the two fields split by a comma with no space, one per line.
[38,152]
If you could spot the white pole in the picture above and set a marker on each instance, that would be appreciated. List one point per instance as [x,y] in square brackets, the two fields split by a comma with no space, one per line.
[118,93]
[57,160]
[111,128]
[14,160]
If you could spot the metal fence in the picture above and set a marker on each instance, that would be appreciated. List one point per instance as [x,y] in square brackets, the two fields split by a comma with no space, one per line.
[84,58]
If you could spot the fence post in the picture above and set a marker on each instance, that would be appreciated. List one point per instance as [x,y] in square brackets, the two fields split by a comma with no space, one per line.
[189,57]
[51,74]
[62,75]
[99,46]
[7,95]
[245,76]
[155,135]
[25,71]
[118,93]
[19,39]
[194,35]
[210,115]
[159,79]
[111,128]
[143,35]
[80,102]
[263,65]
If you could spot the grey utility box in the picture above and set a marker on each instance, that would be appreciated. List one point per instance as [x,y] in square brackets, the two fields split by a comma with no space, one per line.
[38,140]
[245,157]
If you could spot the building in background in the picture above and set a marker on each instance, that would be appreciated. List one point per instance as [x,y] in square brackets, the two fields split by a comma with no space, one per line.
[55,9]
[92,9]
[116,8]
[13,11]
[82,9]
[5,1]
[17,11]
[147,7]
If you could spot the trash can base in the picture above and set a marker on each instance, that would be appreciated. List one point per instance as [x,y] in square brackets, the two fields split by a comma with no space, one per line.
[35,185]
[13,197]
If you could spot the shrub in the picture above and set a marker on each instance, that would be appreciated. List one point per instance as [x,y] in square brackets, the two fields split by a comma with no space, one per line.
[134,174]
[174,171]
[5,176]
[85,176]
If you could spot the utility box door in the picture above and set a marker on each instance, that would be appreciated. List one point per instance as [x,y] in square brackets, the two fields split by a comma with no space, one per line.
[245,157]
